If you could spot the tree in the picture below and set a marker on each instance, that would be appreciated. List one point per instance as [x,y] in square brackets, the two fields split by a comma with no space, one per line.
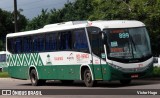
[39,21]
[147,11]
[7,26]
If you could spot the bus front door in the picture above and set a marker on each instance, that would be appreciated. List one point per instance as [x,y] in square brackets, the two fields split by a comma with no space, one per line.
[97,49]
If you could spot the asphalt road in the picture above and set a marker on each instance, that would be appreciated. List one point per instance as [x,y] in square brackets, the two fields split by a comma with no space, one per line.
[78,89]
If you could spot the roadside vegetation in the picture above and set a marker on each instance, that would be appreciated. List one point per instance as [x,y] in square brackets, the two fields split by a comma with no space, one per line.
[156,72]
[4,75]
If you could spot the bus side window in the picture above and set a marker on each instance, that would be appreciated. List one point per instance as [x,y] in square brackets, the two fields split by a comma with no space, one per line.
[18,45]
[10,45]
[3,58]
[95,38]
[27,44]
[66,40]
[80,40]
[51,42]
[41,43]
[35,43]
[38,43]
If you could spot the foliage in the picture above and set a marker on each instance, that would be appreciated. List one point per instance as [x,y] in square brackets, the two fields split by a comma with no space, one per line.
[156,72]
[4,74]
[7,25]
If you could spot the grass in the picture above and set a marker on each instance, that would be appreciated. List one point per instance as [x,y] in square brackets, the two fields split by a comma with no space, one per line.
[156,72]
[4,75]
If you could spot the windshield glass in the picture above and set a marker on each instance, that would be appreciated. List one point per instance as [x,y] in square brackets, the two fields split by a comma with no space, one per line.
[2,57]
[127,43]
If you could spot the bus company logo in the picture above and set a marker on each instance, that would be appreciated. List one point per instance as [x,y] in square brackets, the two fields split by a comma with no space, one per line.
[6,92]
[82,57]
[48,61]
[97,62]
[21,92]
[58,58]
[70,57]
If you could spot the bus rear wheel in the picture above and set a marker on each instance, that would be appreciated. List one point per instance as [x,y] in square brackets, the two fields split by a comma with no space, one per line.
[89,82]
[34,79]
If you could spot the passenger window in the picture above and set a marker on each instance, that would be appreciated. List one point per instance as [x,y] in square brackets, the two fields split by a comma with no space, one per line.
[80,40]
[27,44]
[10,45]
[38,43]
[18,45]
[51,42]
[95,40]
[65,40]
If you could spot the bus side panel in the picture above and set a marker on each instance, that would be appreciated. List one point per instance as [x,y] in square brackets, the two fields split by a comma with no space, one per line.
[106,72]
[69,72]
[47,72]
[19,72]
[59,72]
[97,72]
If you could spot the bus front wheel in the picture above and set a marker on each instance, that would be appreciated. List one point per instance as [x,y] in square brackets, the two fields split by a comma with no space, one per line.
[34,78]
[89,82]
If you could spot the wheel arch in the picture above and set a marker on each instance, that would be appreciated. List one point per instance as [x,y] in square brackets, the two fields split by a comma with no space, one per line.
[82,69]
[29,70]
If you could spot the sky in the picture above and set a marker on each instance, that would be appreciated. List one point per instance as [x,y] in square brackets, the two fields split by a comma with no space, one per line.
[31,8]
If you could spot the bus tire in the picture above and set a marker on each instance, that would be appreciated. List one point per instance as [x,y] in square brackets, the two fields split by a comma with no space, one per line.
[89,82]
[125,81]
[34,79]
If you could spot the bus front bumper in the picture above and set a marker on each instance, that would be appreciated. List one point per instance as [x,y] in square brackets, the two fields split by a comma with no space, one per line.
[117,74]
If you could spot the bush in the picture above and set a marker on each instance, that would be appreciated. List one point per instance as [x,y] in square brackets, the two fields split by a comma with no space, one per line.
[4,74]
[156,72]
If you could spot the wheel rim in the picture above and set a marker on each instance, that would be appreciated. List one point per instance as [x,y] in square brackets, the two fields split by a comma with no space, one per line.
[33,78]
[88,77]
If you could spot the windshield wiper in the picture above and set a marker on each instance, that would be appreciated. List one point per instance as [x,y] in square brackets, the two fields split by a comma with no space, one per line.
[134,45]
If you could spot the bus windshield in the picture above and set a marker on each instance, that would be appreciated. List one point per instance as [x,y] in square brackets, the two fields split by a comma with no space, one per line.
[127,43]
[2,57]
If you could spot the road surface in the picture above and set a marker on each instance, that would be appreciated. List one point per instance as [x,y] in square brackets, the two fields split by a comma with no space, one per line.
[78,89]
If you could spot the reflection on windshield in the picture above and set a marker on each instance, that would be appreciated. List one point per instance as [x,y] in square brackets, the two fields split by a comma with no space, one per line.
[128,43]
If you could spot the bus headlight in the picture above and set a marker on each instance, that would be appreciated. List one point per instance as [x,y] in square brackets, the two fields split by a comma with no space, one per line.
[131,69]
[114,66]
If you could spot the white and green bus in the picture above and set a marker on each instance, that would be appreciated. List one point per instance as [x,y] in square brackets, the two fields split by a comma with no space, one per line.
[3,65]
[81,50]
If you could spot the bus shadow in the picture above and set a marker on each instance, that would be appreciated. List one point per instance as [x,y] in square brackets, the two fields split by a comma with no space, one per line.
[104,84]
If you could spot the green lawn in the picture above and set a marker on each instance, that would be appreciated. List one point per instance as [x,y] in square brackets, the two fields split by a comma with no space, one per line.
[4,75]
[156,72]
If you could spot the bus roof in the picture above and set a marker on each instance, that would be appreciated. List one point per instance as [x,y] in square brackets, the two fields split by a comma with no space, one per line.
[117,24]
[2,52]
[81,24]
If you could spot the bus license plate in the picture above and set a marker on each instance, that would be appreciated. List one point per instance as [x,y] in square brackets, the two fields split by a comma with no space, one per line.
[134,76]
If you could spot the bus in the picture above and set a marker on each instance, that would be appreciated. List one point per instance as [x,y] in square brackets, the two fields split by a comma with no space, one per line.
[3,64]
[90,51]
